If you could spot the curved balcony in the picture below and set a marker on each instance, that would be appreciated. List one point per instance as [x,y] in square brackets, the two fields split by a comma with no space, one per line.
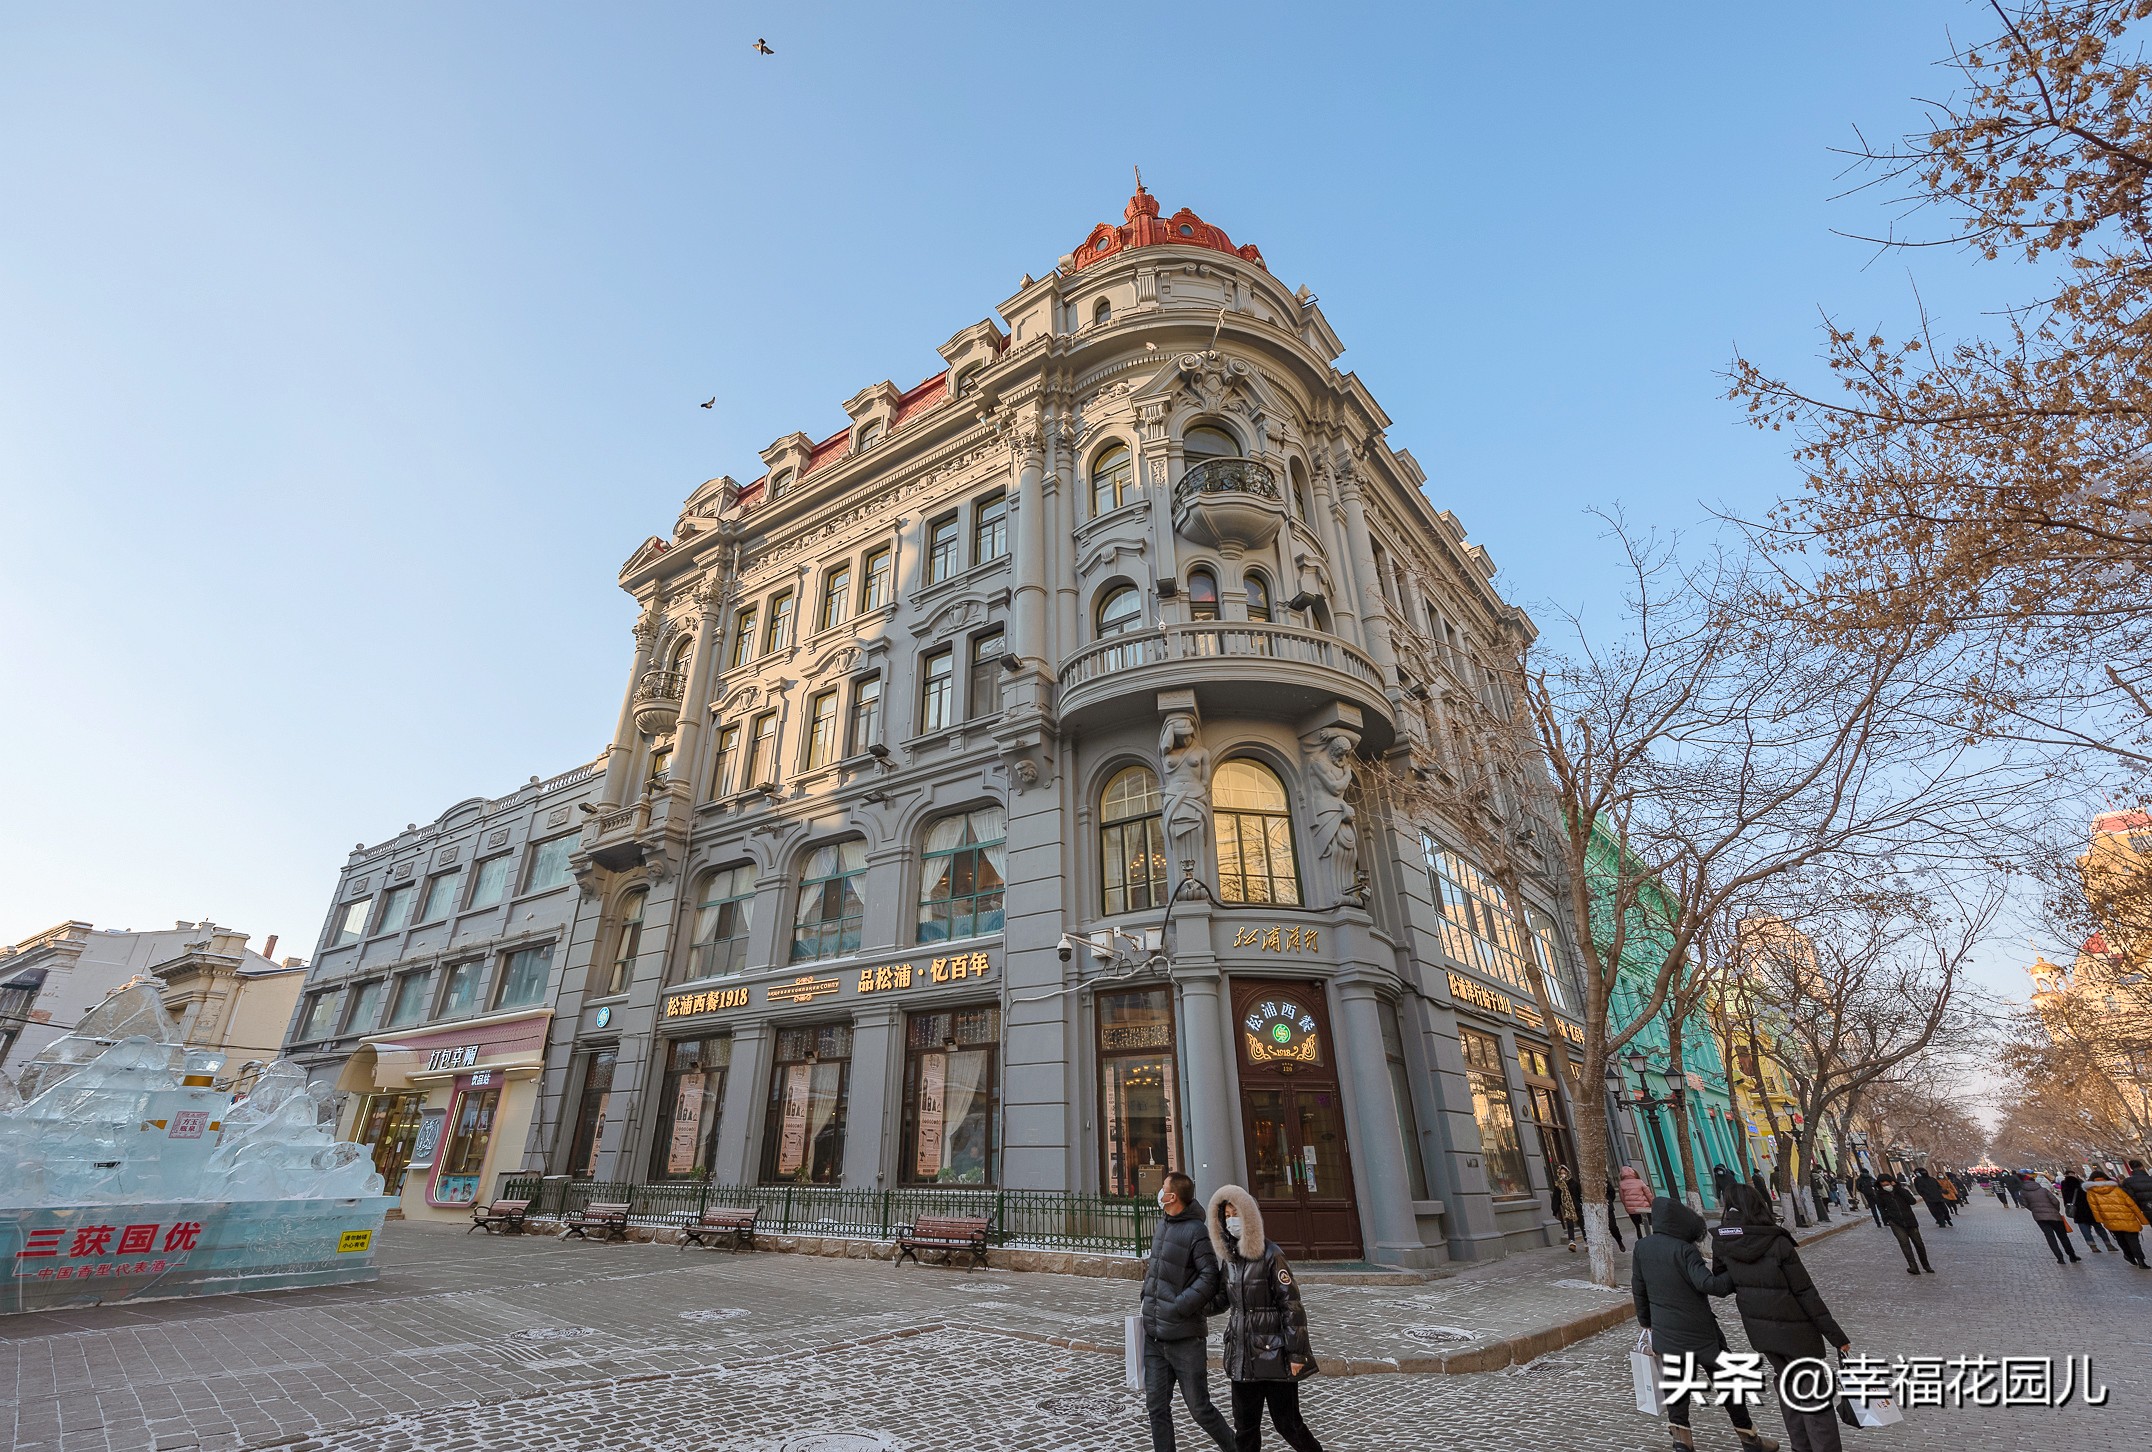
[657,701]
[1241,668]
[1229,504]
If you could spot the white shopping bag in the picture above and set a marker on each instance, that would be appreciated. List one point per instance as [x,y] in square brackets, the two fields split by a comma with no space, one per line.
[1882,1412]
[1644,1370]
[1132,1351]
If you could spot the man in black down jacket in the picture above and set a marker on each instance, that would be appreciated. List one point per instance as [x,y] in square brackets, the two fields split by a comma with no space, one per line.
[1178,1283]
[1784,1317]
[2139,1184]
[1897,1204]
[1867,1186]
[1673,1290]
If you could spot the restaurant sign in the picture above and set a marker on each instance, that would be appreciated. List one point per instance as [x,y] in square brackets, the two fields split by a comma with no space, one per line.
[1479,995]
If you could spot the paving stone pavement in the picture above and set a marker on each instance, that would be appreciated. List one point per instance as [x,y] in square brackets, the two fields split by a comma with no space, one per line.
[471,1343]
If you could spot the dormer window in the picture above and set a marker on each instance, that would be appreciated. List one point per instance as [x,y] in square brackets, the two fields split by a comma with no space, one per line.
[870,434]
[781,483]
[967,383]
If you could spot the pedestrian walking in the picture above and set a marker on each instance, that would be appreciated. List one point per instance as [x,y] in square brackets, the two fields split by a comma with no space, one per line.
[1266,1329]
[1673,1288]
[1636,1198]
[1614,1216]
[2070,1189]
[1930,1191]
[2047,1214]
[1866,1184]
[1723,1181]
[1563,1196]
[1179,1281]
[1781,1309]
[2139,1184]
[2116,1213]
[1896,1206]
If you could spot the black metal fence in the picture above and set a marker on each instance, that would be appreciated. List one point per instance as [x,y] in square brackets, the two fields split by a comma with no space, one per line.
[1033,1219]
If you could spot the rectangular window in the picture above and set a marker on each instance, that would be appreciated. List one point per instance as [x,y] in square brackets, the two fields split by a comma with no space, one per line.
[523,980]
[1140,1117]
[489,880]
[463,1163]
[723,916]
[1553,962]
[1408,1117]
[990,528]
[613,974]
[827,922]
[960,876]
[728,758]
[1477,927]
[689,1099]
[396,909]
[1500,1150]
[949,1096]
[440,895]
[743,637]
[936,688]
[352,926]
[986,673]
[590,1113]
[320,1013]
[876,574]
[836,597]
[459,995]
[780,631]
[822,729]
[365,1008]
[866,715]
[761,753]
[414,992]
[804,1140]
[941,549]
[549,864]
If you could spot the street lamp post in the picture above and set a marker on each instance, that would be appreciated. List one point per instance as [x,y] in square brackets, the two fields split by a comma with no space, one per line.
[1642,1098]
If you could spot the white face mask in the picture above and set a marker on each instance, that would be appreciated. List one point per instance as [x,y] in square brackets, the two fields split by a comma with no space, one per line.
[1232,1225]
[1161,1199]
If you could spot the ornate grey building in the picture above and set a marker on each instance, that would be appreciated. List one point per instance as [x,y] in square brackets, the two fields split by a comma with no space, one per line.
[982,807]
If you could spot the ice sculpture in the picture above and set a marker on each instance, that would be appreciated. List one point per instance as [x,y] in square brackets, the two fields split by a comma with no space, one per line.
[124,1172]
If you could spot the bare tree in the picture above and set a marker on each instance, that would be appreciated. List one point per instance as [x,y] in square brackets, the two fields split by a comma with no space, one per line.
[1999,488]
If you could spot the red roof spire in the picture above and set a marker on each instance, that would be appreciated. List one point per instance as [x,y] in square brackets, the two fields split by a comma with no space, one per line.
[1142,228]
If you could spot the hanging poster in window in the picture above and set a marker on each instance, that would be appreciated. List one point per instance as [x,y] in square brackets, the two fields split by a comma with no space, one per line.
[792,1141]
[686,1125]
[427,1142]
[933,1097]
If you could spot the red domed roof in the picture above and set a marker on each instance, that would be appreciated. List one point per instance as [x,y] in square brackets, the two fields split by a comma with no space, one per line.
[1144,229]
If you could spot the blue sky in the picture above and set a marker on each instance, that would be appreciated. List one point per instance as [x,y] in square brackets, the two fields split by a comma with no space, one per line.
[347,351]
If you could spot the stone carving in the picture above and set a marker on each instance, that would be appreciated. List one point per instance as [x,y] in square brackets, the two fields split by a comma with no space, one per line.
[448,855]
[558,817]
[1330,818]
[402,871]
[1184,781]
[498,837]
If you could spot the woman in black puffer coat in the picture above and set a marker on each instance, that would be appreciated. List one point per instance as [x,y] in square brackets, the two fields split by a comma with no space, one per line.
[1673,1290]
[1266,1331]
[1784,1316]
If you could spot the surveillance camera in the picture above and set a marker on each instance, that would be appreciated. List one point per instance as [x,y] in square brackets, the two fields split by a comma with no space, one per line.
[1066,949]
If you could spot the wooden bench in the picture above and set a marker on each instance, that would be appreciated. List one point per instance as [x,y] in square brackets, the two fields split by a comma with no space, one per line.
[949,1234]
[737,1222]
[502,1215]
[604,1216]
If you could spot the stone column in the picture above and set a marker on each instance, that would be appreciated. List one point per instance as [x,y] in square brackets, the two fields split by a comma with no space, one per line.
[1205,1042]
[1030,602]
[1374,621]
[870,1118]
[739,1128]
[623,748]
[1344,602]
[694,709]
[1380,1147]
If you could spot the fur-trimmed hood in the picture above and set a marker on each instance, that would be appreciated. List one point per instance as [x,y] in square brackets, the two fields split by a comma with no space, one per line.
[1241,1203]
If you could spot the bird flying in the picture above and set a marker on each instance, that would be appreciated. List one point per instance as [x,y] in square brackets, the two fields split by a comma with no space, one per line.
[711,404]
[762,47]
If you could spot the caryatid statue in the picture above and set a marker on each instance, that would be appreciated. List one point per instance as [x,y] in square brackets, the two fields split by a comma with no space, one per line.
[1184,783]
[1330,821]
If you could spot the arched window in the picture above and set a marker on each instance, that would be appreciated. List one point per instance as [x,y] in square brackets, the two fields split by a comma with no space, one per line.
[627,942]
[826,924]
[1113,478]
[1258,596]
[1202,595]
[1207,441]
[1254,829]
[780,483]
[870,434]
[961,875]
[1296,475]
[679,662]
[1120,610]
[724,911]
[1131,842]
[1102,313]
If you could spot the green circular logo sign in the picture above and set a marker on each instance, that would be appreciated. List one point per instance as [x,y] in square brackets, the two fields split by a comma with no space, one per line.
[1281,1032]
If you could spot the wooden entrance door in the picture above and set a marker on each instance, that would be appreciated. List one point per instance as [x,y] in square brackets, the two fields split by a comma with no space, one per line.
[1299,1164]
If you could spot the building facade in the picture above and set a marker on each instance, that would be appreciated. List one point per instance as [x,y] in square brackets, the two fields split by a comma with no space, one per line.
[224,996]
[433,985]
[983,807]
